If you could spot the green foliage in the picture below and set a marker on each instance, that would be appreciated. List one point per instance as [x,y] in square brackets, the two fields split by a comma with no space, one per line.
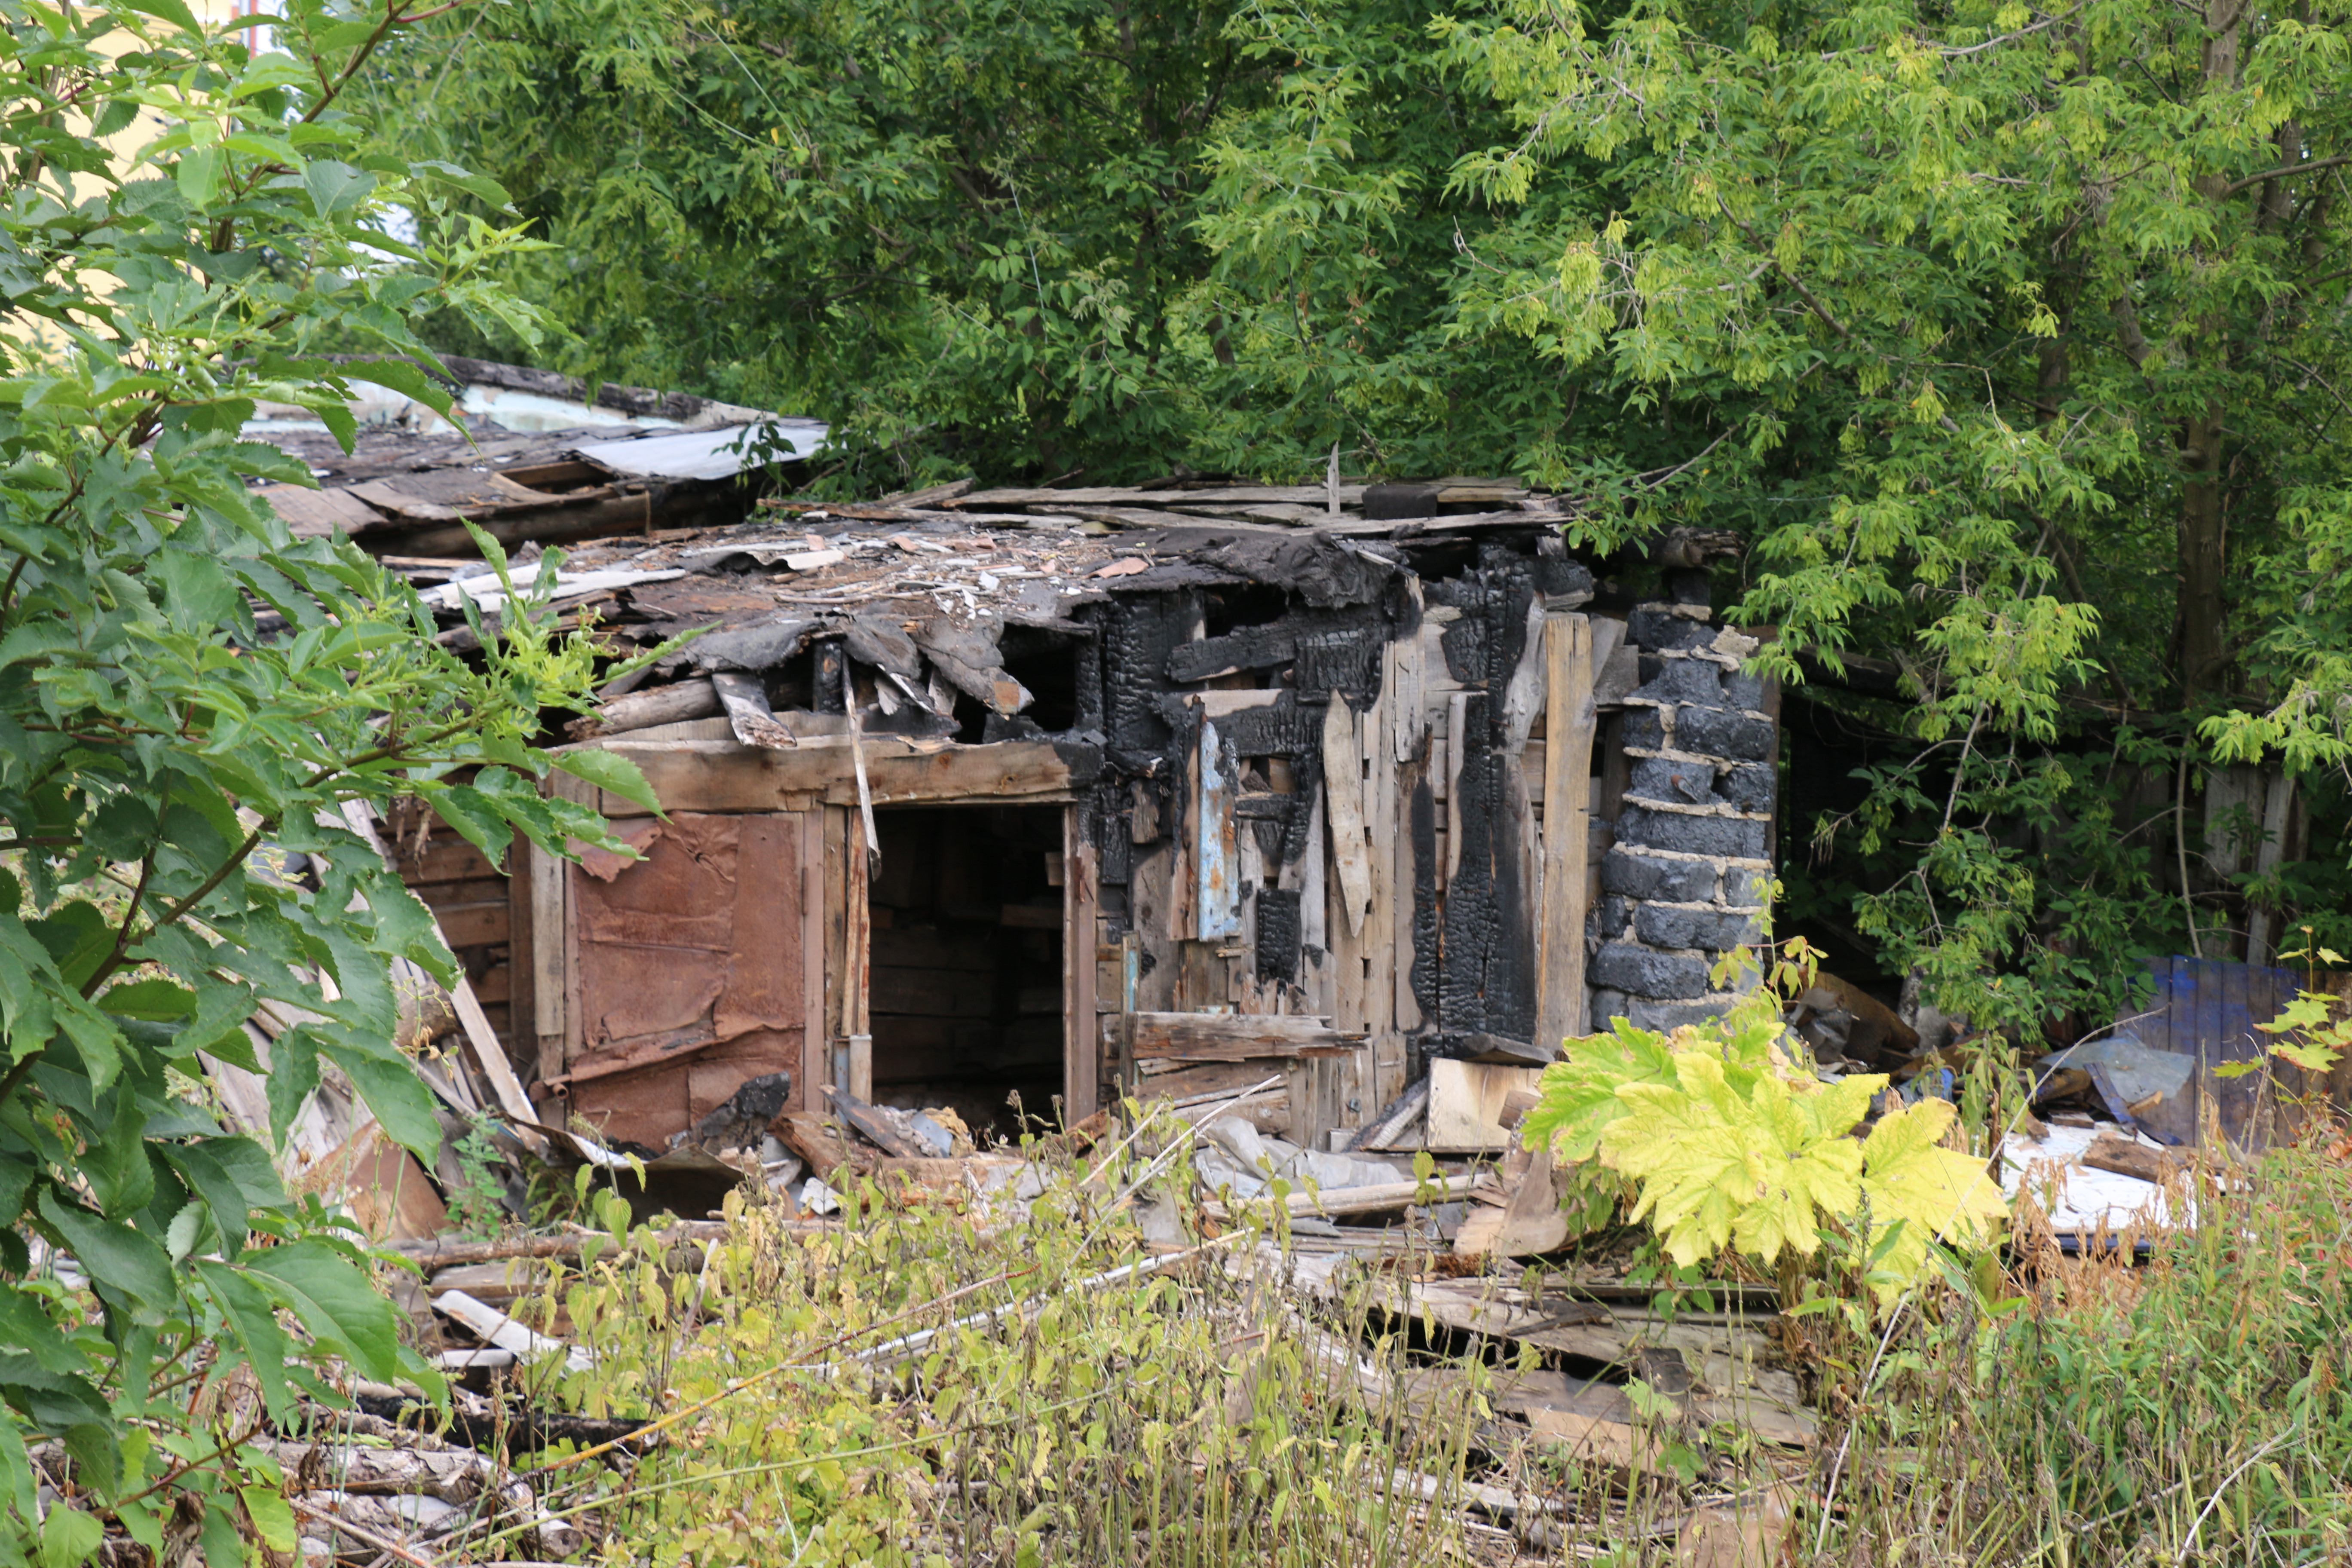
[184,685]
[2004,336]
[2188,1406]
[1727,1145]
[910,1388]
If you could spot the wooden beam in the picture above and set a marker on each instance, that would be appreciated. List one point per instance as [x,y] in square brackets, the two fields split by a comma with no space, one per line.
[1082,1036]
[722,775]
[1568,718]
[1343,787]
[1232,1037]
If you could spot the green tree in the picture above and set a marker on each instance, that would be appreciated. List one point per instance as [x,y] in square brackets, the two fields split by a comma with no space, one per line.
[2011,338]
[2021,325]
[183,686]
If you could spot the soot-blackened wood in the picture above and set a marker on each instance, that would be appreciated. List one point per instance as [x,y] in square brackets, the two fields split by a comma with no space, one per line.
[1302,817]
[1349,661]
[1283,729]
[1427,933]
[1269,647]
[1473,919]
[1139,633]
[1277,934]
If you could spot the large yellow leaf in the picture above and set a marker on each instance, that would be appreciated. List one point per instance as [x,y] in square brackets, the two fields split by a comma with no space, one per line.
[1716,1165]
[1928,1190]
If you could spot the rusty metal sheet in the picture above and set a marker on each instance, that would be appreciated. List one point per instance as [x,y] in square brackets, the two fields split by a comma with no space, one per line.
[1217,866]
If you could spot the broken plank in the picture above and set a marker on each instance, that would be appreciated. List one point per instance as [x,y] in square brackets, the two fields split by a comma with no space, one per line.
[1466,1105]
[695,698]
[723,777]
[1398,1125]
[1381,1197]
[874,1126]
[488,1323]
[1343,786]
[1231,1036]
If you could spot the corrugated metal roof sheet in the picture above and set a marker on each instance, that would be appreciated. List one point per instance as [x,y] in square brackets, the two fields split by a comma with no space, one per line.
[706,454]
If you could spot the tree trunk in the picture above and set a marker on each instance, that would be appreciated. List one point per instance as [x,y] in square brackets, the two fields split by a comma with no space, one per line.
[2204,556]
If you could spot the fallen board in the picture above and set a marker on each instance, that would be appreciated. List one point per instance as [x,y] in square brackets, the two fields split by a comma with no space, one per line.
[1465,1106]
[1723,1351]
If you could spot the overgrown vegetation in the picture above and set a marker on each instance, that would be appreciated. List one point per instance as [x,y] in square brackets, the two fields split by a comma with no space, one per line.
[184,686]
[2010,337]
[907,1390]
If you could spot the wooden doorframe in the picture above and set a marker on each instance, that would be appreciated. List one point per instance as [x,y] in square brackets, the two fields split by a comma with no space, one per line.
[1081,928]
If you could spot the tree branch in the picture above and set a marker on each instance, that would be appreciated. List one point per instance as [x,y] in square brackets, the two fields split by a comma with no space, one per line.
[2313,167]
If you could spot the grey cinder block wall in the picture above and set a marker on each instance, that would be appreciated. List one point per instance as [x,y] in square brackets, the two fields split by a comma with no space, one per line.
[1690,870]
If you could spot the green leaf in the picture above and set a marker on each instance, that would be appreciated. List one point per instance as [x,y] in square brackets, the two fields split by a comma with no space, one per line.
[159,1001]
[273,1521]
[335,1303]
[399,1100]
[1928,1190]
[198,174]
[97,1454]
[609,771]
[68,1537]
[117,1259]
[171,11]
[404,378]
[481,186]
[335,187]
[252,1317]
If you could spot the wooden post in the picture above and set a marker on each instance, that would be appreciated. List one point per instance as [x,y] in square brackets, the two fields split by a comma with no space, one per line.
[857,1073]
[1560,1000]
[1082,1038]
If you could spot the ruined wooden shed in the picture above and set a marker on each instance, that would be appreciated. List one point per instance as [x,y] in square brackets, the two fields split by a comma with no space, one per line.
[1047,796]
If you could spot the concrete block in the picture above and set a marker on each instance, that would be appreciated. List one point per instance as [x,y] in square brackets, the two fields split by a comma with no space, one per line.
[1715,733]
[1750,787]
[1638,875]
[1655,627]
[1638,971]
[1683,681]
[1672,779]
[1644,730]
[1740,837]
[1668,925]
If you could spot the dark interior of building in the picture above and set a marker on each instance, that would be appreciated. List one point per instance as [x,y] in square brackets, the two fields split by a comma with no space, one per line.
[965,1004]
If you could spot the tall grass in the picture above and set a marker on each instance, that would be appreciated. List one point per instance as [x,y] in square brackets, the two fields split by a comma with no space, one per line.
[2183,1406]
[2189,1408]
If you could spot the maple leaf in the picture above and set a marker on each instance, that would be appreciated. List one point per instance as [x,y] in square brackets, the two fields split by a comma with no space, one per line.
[1919,1189]
[1718,1161]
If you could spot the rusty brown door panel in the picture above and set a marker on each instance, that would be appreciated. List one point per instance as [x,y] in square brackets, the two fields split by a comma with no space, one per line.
[686,968]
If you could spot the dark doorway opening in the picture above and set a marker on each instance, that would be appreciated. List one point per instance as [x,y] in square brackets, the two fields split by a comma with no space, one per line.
[965,1002]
